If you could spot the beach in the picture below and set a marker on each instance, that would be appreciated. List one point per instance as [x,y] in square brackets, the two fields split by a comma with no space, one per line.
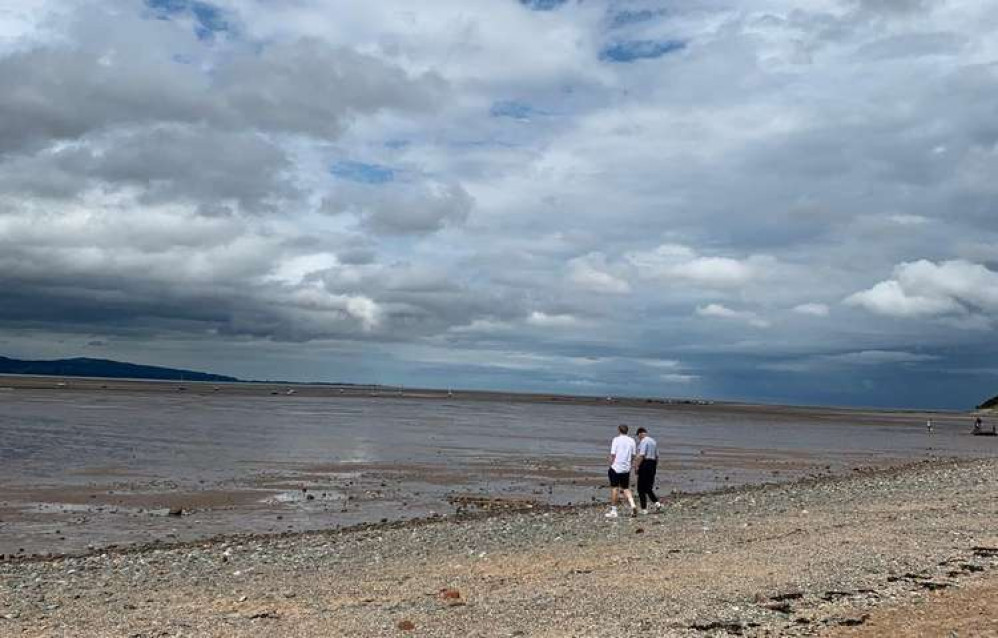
[89,463]
[907,551]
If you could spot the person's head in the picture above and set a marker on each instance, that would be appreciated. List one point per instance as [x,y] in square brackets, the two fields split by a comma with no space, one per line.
[622,428]
[642,433]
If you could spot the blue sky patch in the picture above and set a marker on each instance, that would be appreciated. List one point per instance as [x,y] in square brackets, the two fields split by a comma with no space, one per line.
[362,172]
[626,17]
[632,50]
[208,18]
[542,5]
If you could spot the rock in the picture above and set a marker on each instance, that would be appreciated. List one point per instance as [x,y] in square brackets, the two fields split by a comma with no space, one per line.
[406,625]
[175,511]
[451,597]
[265,613]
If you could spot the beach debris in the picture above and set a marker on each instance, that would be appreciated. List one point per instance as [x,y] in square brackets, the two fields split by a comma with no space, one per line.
[451,597]
[175,511]
[735,627]
[784,607]
[264,613]
[639,530]
[849,621]
[790,595]
[406,625]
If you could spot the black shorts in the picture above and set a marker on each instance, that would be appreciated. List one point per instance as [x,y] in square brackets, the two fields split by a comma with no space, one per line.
[619,479]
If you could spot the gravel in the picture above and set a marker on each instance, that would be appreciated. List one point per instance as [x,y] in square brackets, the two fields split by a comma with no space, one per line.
[796,559]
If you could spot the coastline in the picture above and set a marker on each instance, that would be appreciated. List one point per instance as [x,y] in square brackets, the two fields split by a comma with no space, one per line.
[815,556]
[117,463]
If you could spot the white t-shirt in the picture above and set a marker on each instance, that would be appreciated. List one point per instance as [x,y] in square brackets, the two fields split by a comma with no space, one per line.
[622,449]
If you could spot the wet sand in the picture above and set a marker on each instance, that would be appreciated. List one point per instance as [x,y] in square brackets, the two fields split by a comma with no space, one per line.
[94,463]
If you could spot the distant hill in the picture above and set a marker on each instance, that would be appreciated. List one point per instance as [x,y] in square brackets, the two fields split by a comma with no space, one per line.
[83,367]
[991,403]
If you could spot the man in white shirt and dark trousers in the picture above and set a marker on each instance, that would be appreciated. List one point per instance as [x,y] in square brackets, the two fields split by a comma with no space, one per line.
[647,463]
[622,451]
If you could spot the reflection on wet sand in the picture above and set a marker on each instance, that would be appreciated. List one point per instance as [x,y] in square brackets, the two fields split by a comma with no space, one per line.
[93,466]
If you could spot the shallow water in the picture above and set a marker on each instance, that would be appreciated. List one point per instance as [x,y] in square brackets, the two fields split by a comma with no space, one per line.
[94,468]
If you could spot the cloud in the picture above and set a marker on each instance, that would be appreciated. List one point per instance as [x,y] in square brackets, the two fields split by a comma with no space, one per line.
[591,272]
[402,208]
[542,5]
[928,289]
[720,311]
[813,309]
[411,189]
[877,357]
[680,378]
[893,359]
[512,109]
[131,76]
[677,262]
[209,168]
[544,320]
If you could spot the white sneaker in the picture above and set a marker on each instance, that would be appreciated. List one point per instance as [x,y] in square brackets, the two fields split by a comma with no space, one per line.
[658,505]
[611,514]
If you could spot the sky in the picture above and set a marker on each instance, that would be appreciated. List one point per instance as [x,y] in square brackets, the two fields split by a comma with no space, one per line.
[756,200]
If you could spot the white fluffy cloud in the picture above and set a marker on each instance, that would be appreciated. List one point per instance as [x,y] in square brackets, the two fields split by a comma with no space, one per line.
[928,289]
[720,311]
[682,264]
[813,309]
[591,272]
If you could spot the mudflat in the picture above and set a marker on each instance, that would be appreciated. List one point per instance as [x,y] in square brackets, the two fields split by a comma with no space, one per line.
[92,462]
[907,551]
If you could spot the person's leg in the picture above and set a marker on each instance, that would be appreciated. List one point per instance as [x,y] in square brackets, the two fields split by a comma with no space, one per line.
[612,476]
[643,485]
[630,498]
[625,483]
[650,488]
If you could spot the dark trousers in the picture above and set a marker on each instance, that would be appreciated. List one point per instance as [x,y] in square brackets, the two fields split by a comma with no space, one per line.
[646,482]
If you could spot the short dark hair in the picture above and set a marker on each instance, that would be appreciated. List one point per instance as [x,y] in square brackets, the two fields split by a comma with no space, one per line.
[622,428]
[642,431]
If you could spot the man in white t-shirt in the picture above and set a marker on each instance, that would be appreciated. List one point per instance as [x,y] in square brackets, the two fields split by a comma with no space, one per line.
[622,451]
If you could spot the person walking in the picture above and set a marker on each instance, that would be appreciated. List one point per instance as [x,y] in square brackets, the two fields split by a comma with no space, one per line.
[647,464]
[622,451]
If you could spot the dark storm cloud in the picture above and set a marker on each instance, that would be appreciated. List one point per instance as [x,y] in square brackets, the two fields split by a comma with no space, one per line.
[213,169]
[64,90]
[796,204]
[400,208]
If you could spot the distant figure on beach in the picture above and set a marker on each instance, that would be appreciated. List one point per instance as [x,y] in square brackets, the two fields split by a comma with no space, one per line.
[928,425]
[647,464]
[622,451]
[978,425]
